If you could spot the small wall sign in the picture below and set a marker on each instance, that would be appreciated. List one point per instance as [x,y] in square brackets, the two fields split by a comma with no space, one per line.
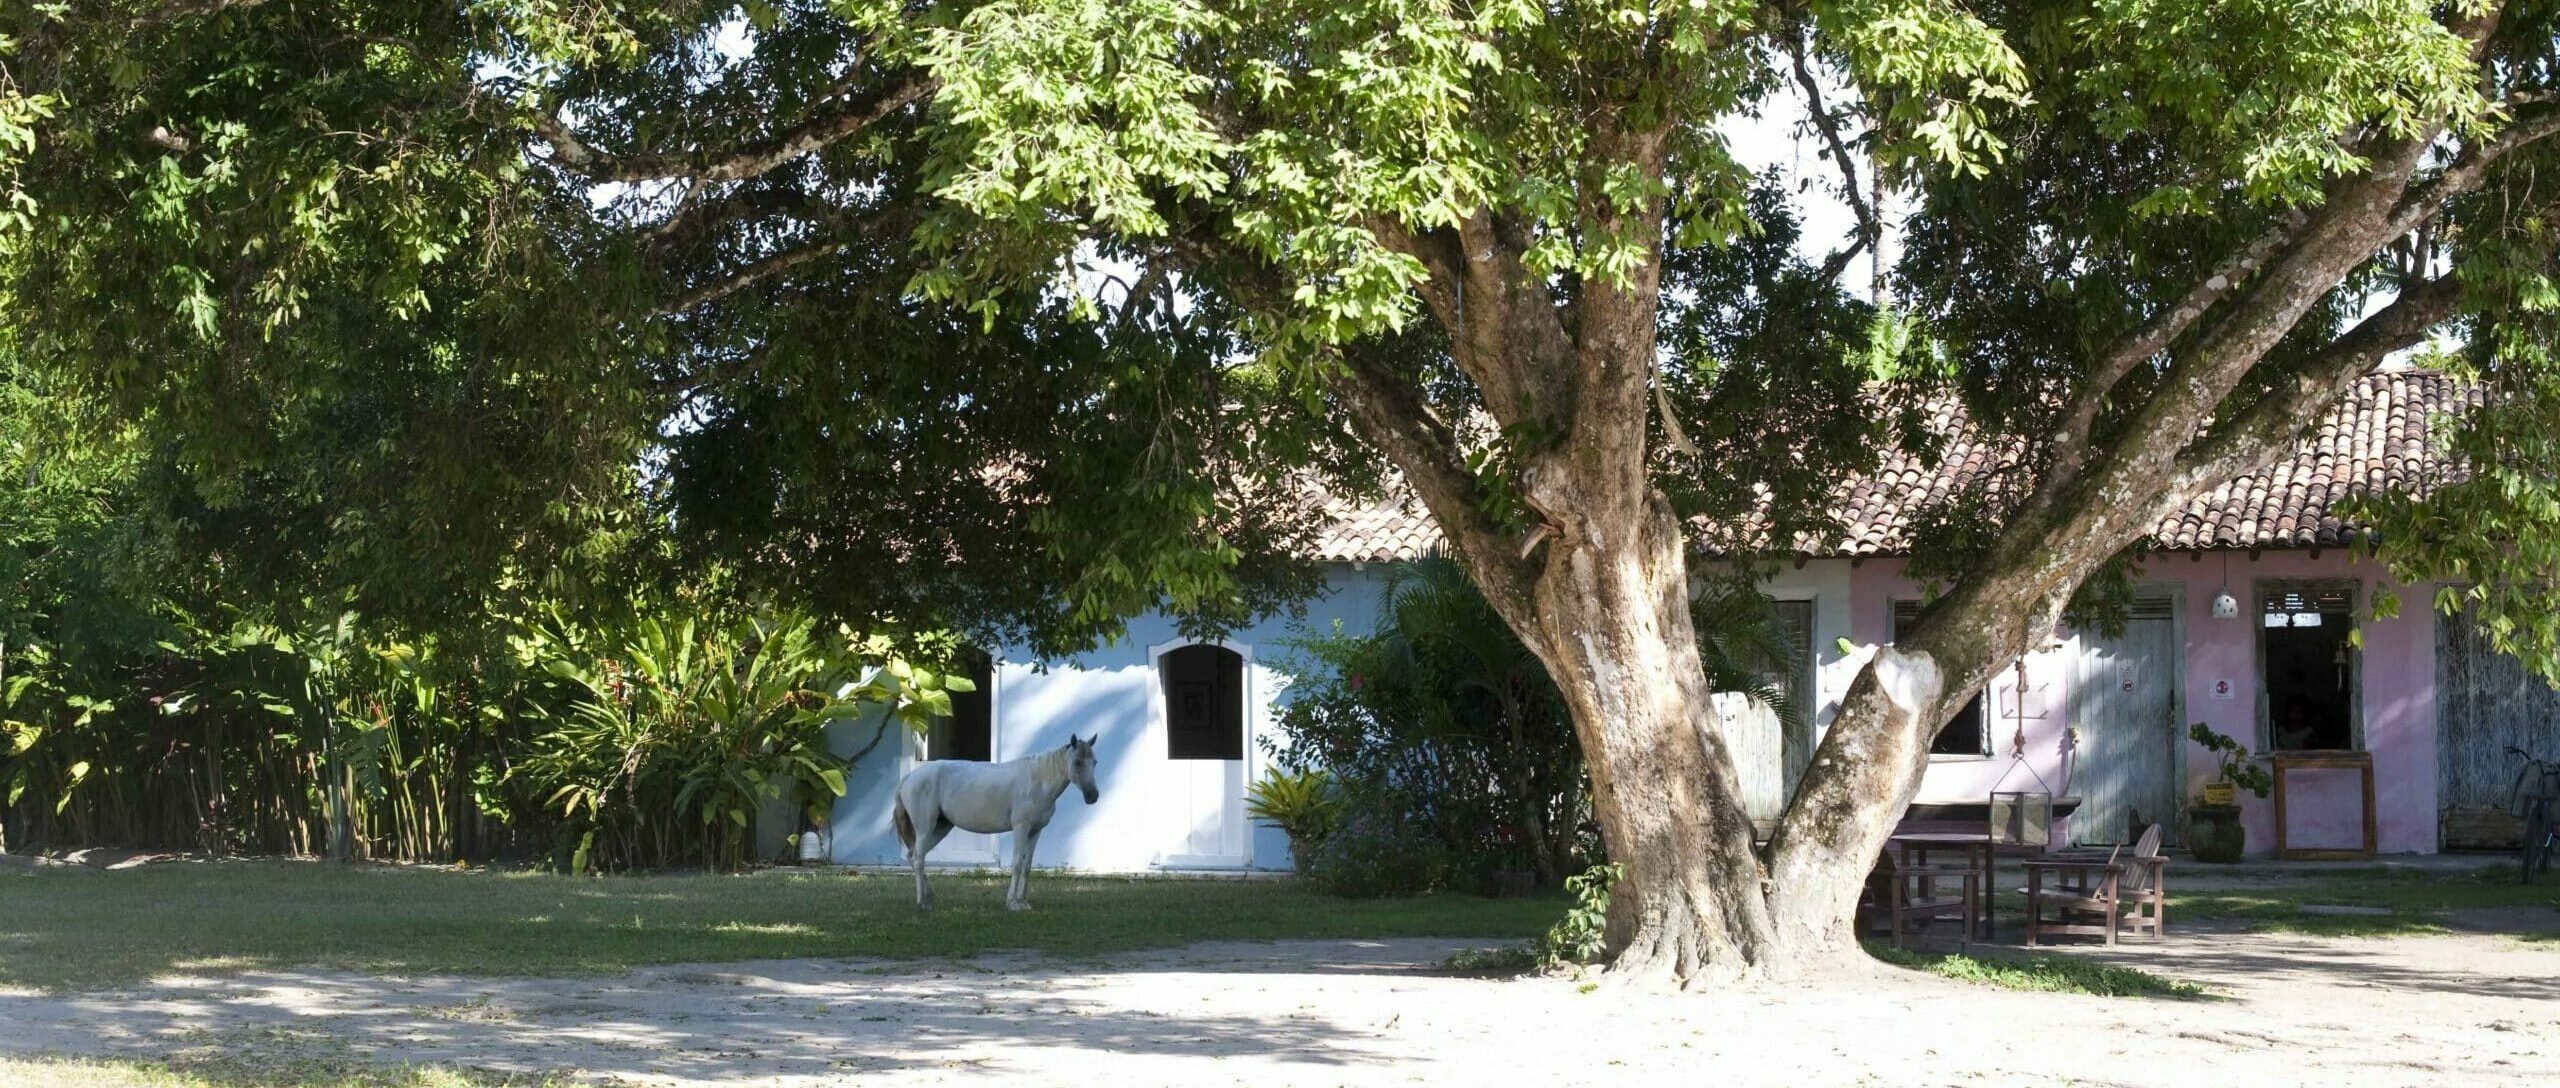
[2225,690]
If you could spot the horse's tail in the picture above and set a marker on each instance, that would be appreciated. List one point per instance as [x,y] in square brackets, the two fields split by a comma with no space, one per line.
[906,825]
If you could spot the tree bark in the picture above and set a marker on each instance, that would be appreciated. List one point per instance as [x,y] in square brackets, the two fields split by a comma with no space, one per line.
[1615,631]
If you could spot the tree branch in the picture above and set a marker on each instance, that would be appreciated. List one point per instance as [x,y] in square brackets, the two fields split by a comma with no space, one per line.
[762,269]
[1504,331]
[1870,227]
[2251,440]
[1392,417]
[2424,202]
[2147,340]
[739,161]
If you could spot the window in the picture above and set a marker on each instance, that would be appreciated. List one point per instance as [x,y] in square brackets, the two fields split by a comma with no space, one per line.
[970,732]
[1203,702]
[2307,666]
[1964,734]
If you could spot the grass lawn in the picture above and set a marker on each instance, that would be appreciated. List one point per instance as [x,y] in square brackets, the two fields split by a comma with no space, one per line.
[2408,902]
[88,930]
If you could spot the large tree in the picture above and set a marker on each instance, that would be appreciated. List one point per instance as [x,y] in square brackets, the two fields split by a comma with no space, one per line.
[1121,278]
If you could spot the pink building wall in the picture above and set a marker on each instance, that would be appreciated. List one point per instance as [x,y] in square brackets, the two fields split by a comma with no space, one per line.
[2396,682]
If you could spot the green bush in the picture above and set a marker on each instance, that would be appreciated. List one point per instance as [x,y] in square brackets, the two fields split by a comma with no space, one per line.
[1374,856]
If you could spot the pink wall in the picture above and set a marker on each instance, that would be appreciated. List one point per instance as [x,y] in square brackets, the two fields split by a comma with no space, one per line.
[1873,587]
[2397,675]
[2397,684]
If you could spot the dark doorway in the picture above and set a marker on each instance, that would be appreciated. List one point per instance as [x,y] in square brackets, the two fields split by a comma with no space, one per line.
[1203,702]
[2308,668]
[970,732]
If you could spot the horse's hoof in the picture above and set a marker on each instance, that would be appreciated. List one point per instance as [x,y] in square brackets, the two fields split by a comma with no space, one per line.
[1018,904]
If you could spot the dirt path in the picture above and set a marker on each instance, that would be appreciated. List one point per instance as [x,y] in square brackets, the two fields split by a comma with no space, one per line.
[2432,1011]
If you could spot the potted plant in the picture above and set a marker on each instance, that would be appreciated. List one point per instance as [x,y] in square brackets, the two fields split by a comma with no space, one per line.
[2214,831]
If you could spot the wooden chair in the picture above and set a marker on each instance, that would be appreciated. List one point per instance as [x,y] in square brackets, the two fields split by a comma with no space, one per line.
[1909,898]
[2101,898]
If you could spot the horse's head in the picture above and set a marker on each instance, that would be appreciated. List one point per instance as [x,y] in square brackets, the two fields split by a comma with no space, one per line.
[1080,766]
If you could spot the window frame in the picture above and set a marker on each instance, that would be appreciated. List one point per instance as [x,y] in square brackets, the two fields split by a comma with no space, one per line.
[2352,589]
[1979,704]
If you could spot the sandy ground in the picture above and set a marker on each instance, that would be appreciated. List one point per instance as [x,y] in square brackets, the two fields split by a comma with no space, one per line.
[2294,1010]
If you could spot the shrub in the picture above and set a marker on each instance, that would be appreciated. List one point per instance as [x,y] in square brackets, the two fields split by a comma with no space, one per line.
[1373,856]
[1582,934]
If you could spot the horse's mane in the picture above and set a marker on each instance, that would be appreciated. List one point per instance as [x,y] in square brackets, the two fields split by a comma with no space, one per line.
[1051,765]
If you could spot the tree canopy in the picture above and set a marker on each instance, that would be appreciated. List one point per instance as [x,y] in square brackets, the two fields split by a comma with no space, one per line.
[1025,315]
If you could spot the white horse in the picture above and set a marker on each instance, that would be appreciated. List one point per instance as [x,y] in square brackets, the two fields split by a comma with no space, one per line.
[1017,795]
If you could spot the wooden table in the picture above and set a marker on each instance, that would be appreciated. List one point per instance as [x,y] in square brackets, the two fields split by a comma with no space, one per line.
[2288,762]
[1916,847]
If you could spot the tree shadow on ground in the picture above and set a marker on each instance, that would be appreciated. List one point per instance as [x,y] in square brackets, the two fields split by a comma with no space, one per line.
[753,1022]
[2224,951]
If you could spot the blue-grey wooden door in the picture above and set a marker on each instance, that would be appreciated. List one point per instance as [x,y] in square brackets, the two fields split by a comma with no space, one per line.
[2124,713]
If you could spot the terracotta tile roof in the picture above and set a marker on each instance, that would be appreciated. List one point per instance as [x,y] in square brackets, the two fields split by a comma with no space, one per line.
[1396,527]
[2375,439]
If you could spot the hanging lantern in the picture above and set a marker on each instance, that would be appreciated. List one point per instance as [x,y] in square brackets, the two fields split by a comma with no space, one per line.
[2021,818]
[2225,606]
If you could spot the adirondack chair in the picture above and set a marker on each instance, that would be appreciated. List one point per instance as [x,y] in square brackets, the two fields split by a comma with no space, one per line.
[2094,897]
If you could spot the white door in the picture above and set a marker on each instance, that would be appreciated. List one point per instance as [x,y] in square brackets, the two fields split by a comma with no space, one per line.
[1210,801]
[1204,704]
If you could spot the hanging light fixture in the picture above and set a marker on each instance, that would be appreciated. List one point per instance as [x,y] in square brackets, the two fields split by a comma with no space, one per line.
[2226,606]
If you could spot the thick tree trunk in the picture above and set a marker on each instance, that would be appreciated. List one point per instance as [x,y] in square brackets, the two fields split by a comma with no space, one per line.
[1614,629]
[1871,760]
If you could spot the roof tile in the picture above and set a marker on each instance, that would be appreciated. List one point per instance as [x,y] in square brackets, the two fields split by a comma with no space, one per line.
[2376,438]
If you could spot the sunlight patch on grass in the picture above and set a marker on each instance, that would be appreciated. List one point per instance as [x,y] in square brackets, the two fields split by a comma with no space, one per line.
[791,929]
[94,932]
[2060,974]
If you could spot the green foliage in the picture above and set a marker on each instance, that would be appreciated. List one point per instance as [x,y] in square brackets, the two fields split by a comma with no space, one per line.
[1378,851]
[2232,763]
[1510,959]
[1581,935]
[673,729]
[1302,802]
[2043,974]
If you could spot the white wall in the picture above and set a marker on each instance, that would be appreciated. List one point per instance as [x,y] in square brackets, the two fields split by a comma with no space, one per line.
[1139,823]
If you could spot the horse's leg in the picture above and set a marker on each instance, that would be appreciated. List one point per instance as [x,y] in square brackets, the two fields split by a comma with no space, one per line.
[929,832]
[1026,839]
